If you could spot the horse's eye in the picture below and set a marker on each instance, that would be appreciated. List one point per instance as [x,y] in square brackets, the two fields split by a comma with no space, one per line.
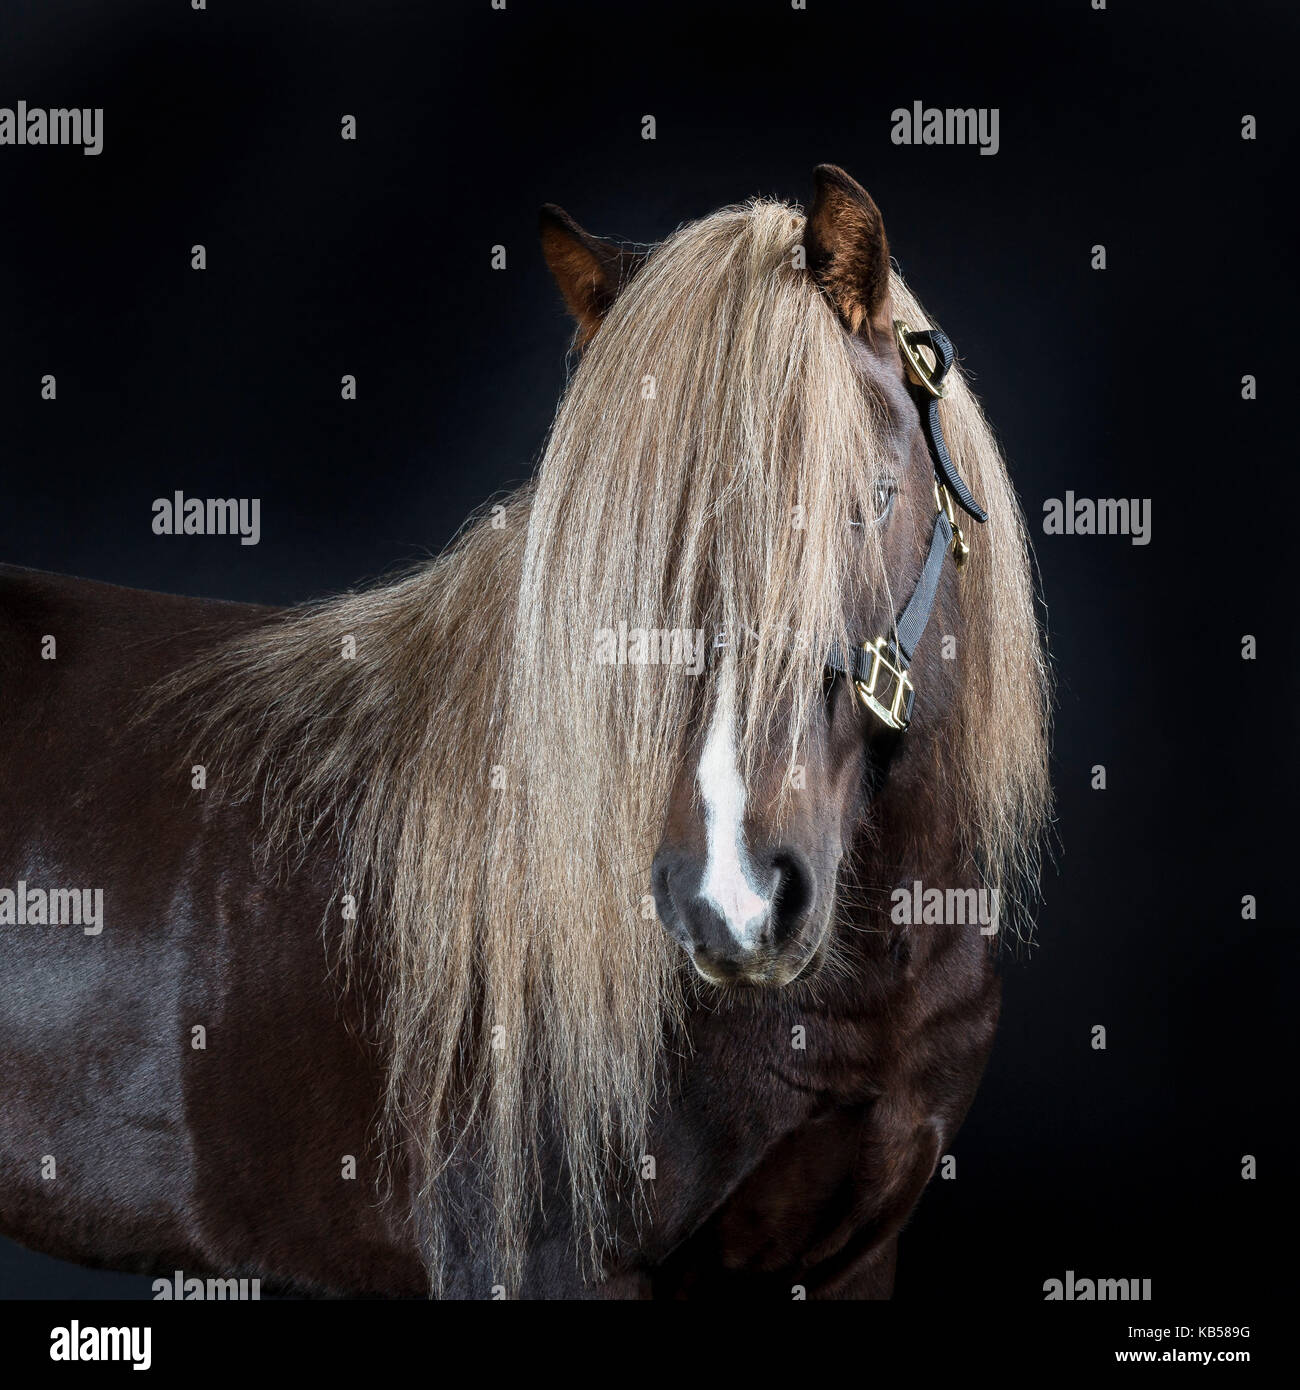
[886,491]
[882,504]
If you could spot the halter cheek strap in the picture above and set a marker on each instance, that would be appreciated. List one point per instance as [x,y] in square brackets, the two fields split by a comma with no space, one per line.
[878,671]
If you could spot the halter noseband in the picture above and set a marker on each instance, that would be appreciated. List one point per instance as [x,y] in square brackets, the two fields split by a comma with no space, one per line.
[878,670]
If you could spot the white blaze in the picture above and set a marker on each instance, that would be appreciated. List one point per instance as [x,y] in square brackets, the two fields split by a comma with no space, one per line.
[728,881]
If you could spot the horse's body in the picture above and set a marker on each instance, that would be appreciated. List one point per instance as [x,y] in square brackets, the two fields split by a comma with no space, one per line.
[227,1160]
[792,1130]
[163,1160]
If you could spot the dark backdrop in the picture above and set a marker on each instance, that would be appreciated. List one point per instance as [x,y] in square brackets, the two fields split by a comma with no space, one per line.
[1120,127]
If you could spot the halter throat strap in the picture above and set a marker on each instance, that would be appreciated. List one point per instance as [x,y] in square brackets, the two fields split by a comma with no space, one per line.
[878,671]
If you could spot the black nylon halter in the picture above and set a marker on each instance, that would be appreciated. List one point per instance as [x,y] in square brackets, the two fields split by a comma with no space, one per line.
[878,670]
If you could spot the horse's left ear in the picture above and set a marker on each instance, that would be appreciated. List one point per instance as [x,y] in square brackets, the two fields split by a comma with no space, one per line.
[589,271]
[846,250]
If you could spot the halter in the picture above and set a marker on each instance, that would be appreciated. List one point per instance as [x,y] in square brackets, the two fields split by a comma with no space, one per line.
[878,670]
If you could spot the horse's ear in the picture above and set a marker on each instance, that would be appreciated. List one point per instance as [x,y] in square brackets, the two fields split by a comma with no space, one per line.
[844,242]
[589,271]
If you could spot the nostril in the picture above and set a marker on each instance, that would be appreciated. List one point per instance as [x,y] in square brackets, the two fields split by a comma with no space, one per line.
[659,885]
[792,896]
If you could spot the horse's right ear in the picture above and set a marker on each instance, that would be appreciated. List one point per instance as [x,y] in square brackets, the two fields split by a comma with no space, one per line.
[588,271]
[844,242]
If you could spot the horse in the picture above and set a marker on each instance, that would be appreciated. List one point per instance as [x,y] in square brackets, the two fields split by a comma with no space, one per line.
[538,923]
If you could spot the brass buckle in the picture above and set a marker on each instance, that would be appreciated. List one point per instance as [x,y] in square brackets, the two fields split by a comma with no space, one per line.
[917,368]
[943,500]
[897,713]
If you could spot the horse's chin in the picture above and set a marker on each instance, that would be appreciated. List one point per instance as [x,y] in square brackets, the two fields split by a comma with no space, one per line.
[773,975]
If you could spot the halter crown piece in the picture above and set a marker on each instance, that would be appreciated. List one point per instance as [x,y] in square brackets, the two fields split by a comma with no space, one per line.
[878,670]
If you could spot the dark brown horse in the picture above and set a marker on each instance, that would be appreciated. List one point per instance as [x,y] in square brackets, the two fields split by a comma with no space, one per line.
[329,935]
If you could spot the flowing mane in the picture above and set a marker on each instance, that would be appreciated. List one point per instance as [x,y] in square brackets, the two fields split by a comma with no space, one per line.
[495,794]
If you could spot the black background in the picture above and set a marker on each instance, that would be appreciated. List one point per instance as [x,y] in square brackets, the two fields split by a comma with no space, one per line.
[326,257]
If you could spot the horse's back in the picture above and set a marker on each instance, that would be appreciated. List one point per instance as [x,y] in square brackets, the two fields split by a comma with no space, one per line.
[178,1086]
[85,784]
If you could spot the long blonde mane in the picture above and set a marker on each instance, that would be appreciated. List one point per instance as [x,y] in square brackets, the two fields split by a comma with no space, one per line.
[494,795]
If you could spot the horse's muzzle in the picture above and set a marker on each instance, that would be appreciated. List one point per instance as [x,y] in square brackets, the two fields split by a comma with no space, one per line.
[738,934]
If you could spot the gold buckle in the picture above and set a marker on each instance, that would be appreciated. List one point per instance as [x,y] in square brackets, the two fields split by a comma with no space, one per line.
[943,500]
[917,368]
[896,714]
